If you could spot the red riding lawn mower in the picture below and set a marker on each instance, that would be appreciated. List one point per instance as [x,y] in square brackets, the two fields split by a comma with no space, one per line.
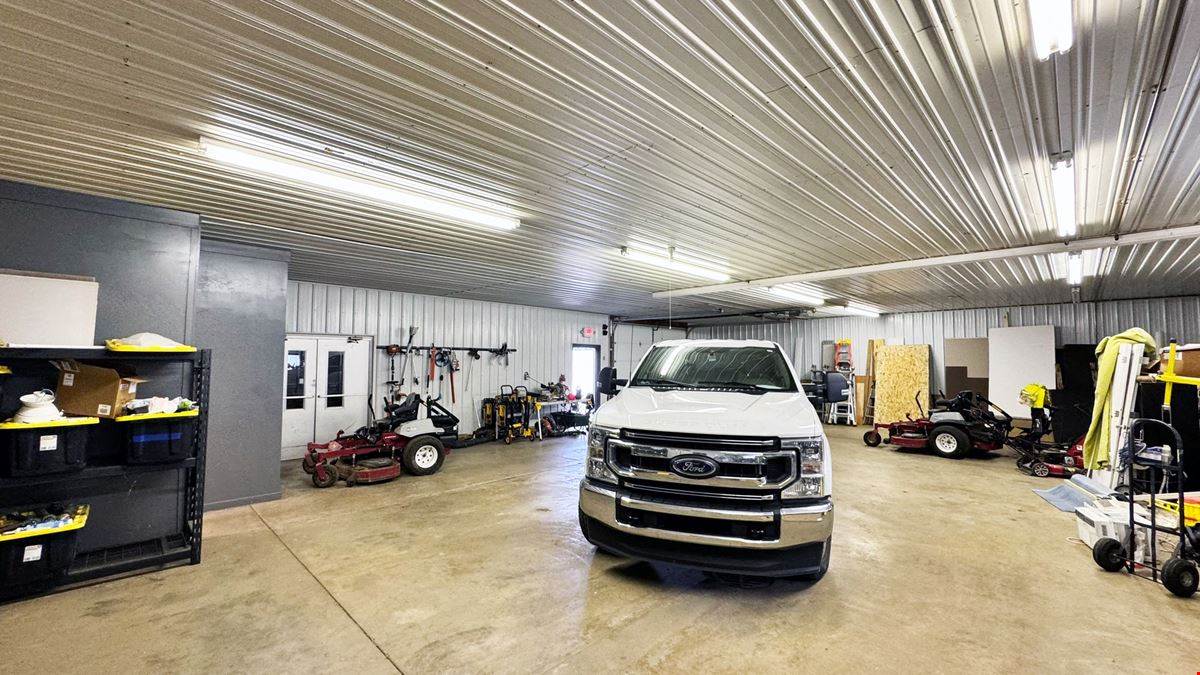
[953,428]
[376,452]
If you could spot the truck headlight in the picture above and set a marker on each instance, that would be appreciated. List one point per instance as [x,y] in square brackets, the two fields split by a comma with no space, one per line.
[810,476]
[597,466]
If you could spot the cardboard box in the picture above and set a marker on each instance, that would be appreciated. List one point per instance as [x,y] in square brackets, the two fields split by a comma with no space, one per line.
[94,391]
[1187,360]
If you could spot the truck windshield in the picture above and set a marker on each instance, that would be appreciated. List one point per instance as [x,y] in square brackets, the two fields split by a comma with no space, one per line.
[759,369]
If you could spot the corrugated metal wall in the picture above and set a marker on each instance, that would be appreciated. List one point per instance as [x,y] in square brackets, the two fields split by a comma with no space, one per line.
[542,337]
[1083,323]
[631,343]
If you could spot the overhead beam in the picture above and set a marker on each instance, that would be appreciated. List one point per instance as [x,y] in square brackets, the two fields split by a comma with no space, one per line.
[1144,237]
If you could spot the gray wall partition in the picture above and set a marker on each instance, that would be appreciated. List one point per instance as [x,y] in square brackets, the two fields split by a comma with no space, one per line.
[241,302]
[145,260]
[154,277]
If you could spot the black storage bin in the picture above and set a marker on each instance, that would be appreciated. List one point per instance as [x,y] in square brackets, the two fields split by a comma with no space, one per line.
[158,439]
[33,449]
[34,560]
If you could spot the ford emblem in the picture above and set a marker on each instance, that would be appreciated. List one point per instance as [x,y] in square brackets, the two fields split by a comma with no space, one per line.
[694,466]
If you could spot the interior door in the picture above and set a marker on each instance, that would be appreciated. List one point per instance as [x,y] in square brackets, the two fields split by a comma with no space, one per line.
[343,383]
[299,395]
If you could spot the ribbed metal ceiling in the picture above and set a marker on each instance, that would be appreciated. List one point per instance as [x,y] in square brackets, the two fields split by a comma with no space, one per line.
[767,137]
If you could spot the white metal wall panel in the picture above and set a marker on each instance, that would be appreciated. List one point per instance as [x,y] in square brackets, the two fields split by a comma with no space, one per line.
[1083,323]
[542,337]
[630,343]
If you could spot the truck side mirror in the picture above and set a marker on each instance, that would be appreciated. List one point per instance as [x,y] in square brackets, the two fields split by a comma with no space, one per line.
[608,382]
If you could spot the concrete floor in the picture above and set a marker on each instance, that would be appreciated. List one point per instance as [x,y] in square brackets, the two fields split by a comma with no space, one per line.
[938,566]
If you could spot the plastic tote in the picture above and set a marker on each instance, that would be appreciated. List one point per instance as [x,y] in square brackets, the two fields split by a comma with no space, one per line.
[159,438]
[45,447]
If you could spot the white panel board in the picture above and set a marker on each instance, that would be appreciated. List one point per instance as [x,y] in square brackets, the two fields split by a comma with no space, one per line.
[1019,356]
[47,310]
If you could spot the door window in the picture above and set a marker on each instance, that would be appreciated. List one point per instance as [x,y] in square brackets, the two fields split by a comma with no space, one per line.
[295,380]
[335,383]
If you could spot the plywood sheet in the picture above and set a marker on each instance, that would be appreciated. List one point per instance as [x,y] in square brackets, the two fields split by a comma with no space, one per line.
[901,376]
[1018,356]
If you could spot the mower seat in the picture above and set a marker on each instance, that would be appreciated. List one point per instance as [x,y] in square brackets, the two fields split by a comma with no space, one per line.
[406,411]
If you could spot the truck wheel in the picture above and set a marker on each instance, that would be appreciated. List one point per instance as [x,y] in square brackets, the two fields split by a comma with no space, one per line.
[950,442]
[330,479]
[1180,577]
[423,455]
[873,438]
[1109,554]
[824,563]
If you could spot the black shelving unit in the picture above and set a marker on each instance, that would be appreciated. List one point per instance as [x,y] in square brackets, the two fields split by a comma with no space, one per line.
[126,551]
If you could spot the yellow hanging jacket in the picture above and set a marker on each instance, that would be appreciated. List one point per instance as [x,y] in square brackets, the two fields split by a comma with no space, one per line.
[1095,446]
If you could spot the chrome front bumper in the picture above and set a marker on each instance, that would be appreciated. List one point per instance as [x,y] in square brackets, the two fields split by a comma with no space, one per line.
[798,526]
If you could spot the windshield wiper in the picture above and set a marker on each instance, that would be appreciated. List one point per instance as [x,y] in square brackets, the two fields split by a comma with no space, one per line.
[739,385]
[659,383]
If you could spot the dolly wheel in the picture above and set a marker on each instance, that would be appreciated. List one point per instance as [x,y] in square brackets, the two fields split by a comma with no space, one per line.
[872,438]
[1040,469]
[1109,554]
[307,464]
[950,442]
[1180,577]
[330,479]
[423,455]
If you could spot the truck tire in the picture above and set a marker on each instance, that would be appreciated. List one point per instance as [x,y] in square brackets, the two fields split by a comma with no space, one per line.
[423,455]
[873,438]
[950,442]
[824,564]
[583,528]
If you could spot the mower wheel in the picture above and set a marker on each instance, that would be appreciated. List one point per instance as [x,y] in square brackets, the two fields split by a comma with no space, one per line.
[1039,469]
[307,464]
[1109,554]
[1180,577]
[873,438]
[950,442]
[331,477]
[423,455]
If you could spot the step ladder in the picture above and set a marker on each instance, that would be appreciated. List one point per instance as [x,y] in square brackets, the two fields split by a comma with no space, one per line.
[869,409]
[843,357]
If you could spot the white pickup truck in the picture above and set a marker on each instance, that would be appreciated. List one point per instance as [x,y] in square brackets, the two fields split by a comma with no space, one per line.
[711,457]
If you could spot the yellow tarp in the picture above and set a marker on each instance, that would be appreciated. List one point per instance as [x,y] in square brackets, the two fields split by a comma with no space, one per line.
[1095,446]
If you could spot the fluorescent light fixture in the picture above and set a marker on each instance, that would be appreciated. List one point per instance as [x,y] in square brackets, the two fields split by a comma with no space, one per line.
[1062,181]
[669,262]
[802,298]
[1052,27]
[312,168]
[861,310]
[1074,268]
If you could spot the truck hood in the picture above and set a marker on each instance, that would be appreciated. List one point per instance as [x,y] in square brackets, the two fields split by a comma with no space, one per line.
[711,412]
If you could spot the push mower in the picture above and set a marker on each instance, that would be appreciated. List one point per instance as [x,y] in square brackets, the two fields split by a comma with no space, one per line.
[375,453]
[953,428]
[1037,457]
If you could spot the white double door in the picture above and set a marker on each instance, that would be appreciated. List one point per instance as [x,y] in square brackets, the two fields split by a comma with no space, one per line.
[326,381]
